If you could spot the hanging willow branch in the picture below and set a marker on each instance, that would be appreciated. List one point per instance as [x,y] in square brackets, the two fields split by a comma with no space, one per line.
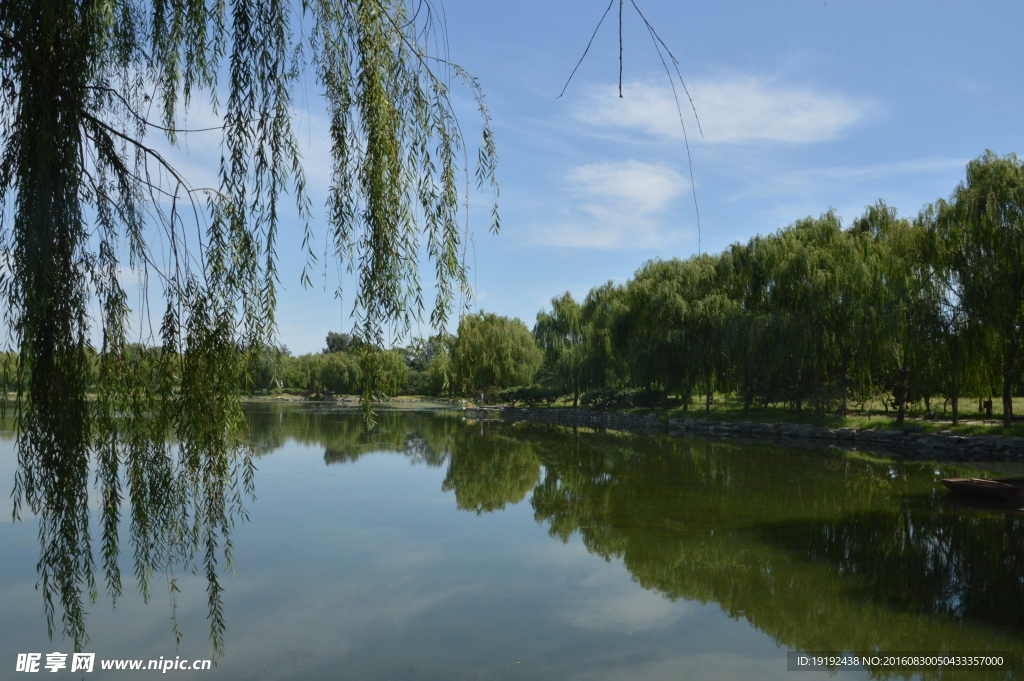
[85,198]
[666,57]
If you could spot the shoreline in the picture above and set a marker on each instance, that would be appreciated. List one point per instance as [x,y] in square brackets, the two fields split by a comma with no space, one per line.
[350,401]
[908,443]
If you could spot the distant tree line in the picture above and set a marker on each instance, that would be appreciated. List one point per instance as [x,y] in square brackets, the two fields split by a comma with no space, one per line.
[344,367]
[487,353]
[815,316]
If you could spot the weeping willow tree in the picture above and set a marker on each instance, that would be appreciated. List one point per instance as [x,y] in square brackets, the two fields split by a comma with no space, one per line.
[982,229]
[651,331]
[561,335]
[87,199]
[908,297]
[493,352]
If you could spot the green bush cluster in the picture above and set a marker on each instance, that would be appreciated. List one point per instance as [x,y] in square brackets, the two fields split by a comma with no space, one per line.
[531,395]
[621,398]
[324,373]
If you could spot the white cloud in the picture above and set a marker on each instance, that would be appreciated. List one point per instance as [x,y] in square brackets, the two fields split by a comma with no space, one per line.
[625,607]
[642,187]
[621,202]
[738,109]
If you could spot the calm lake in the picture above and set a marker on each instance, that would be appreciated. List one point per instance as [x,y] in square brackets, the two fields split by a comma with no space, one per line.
[436,548]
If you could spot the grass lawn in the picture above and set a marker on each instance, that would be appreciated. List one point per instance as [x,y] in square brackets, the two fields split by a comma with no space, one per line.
[729,407]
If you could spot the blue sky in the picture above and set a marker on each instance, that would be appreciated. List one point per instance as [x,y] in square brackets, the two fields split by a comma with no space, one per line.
[804,106]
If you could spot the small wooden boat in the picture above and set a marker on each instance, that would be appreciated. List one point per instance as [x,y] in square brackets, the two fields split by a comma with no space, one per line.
[1007,489]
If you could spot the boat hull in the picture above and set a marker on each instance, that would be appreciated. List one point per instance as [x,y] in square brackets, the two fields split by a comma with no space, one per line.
[1004,489]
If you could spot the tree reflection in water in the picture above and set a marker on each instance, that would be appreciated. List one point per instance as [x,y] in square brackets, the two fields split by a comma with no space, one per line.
[485,470]
[182,498]
[826,551]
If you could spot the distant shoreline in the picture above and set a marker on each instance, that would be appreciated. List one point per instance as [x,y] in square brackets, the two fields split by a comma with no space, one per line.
[907,443]
[355,401]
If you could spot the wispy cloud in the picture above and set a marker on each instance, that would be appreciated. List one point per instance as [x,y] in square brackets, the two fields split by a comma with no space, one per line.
[732,110]
[615,205]
[624,607]
[812,181]
[643,188]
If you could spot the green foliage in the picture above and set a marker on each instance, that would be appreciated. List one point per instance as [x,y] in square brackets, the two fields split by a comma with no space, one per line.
[336,372]
[888,310]
[492,352]
[264,371]
[85,199]
[341,342]
[560,336]
[910,299]
[621,398]
[417,383]
[602,307]
[982,234]
[531,395]
[425,359]
[422,351]
[344,373]
[383,373]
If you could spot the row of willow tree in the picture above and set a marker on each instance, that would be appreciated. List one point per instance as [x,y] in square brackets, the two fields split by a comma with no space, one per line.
[814,316]
[817,315]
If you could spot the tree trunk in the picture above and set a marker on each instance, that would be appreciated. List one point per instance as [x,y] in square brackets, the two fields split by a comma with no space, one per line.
[842,385]
[1011,363]
[748,393]
[710,392]
[955,399]
[901,414]
[1008,398]
[799,394]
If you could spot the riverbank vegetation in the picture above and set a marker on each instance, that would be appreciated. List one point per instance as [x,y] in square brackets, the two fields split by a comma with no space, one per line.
[818,319]
[817,316]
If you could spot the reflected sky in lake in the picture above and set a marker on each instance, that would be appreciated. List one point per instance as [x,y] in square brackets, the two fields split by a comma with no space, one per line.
[434,548]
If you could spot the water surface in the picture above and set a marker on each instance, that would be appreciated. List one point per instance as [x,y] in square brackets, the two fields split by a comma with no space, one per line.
[435,548]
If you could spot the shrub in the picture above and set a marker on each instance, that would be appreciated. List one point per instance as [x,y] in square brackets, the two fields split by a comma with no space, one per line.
[531,395]
[621,398]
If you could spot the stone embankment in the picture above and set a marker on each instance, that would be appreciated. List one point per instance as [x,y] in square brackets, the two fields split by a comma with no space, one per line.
[908,442]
